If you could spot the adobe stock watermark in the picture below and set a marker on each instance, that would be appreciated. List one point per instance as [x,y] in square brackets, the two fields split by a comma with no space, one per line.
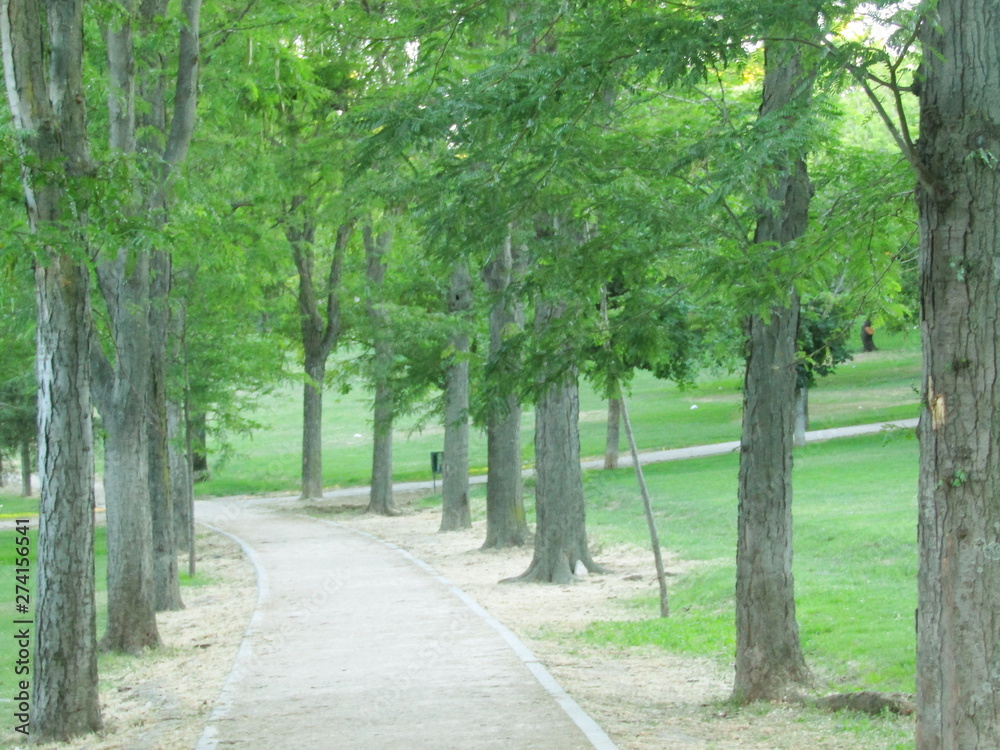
[22,626]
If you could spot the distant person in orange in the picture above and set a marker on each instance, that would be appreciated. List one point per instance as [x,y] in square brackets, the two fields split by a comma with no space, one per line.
[867,337]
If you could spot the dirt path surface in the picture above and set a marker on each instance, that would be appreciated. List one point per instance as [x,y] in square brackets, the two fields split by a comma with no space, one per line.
[354,645]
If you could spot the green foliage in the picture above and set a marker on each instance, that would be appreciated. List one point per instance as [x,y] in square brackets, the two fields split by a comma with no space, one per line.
[18,396]
[822,340]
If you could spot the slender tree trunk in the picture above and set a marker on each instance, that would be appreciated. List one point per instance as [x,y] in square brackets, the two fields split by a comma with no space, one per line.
[801,415]
[166,582]
[506,525]
[614,429]
[381,500]
[43,70]
[455,512]
[26,469]
[131,592]
[320,330]
[142,570]
[560,514]
[958,620]
[122,393]
[768,654]
[181,480]
[180,475]
[312,428]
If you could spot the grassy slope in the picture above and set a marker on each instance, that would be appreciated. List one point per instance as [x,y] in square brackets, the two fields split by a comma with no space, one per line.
[872,388]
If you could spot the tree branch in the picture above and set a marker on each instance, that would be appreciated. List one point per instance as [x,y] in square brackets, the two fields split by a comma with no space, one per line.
[186,92]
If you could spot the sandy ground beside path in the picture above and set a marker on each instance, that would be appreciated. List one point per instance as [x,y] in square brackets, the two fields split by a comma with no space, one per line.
[162,699]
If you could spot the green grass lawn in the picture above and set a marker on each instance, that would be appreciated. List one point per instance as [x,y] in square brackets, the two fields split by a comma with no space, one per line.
[855,558]
[872,388]
[15,506]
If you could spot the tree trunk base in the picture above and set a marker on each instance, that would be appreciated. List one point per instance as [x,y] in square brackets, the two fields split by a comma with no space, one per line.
[130,642]
[506,540]
[556,569]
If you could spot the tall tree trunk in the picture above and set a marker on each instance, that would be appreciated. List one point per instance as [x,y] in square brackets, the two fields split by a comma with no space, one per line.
[135,286]
[26,469]
[166,582]
[180,475]
[381,500]
[613,435]
[50,117]
[122,392]
[768,654]
[65,700]
[178,440]
[506,525]
[560,514]
[958,621]
[320,330]
[455,511]
[801,415]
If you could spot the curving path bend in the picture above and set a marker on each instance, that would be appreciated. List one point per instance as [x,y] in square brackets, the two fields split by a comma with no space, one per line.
[356,644]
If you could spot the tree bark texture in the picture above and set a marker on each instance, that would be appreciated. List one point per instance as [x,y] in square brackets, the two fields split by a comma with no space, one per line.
[506,525]
[613,434]
[300,233]
[49,112]
[131,623]
[312,428]
[65,700]
[376,247]
[180,476]
[958,621]
[455,512]
[768,653]
[320,331]
[560,513]
[122,393]
[166,582]
[178,439]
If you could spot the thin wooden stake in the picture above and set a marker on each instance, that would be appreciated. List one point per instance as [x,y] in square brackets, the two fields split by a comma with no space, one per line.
[661,574]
